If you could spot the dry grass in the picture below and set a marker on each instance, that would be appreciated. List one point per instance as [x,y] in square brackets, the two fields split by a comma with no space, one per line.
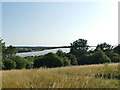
[63,77]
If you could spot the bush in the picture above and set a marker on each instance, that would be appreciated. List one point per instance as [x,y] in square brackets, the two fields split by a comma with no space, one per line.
[9,64]
[72,58]
[49,60]
[52,60]
[29,61]
[3,66]
[20,62]
[117,49]
[79,47]
[66,61]
[29,64]
[60,53]
[38,62]
[100,57]
[95,58]
[115,58]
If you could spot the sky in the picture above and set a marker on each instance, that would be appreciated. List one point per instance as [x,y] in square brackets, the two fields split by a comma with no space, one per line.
[59,23]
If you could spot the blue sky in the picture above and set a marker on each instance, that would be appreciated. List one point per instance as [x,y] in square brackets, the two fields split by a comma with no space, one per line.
[60,23]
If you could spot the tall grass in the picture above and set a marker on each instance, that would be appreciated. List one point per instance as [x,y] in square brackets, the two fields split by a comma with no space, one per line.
[63,77]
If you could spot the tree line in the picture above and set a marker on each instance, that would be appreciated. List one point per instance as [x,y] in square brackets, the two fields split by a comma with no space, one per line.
[79,55]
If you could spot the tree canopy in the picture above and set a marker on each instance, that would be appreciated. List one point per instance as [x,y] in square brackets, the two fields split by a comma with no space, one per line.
[78,55]
[79,47]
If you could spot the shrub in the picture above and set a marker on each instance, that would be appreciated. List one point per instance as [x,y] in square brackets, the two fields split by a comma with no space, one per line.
[52,60]
[3,66]
[28,64]
[49,60]
[60,53]
[66,61]
[95,58]
[20,62]
[29,61]
[72,58]
[38,62]
[115,58]
[100,57]
[9,64]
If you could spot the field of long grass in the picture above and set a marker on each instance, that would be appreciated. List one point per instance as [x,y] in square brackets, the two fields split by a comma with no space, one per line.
[86,76]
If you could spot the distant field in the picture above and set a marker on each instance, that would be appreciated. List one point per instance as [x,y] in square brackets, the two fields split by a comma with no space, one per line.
[87,76]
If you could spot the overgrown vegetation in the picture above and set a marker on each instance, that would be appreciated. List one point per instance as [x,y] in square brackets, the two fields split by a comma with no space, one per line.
[82,76]
[58,70]
[78,55]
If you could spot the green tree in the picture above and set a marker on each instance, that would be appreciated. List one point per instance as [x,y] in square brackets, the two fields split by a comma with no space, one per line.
[79,47]
[29,61]
[2,48]
[11,51]
[115,58]
[94,58]
[9,64]
[72,58]
[28,64]
[117,49]
[101,57]
[52,60]
[66,61]
[38,61]
[60,53]
[3,66]
[104,47]
[20,62]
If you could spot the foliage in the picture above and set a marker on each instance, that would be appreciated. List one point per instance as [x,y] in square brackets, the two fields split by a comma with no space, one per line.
[11,51]
[66,61]
[29,61]
[72,58]
[20,62]
[52,60]
[79,54]
[117,49]
[9,64]
[115,58]
[60,53]
[49,60]
[29,64]
[3,66]
[95,58]
[79,47]
[104,47]
[38,62]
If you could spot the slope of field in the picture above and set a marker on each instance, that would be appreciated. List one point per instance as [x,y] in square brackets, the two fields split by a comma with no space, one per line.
[86,76]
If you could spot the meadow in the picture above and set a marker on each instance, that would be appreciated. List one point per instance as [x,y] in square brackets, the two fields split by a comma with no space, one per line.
[83,76]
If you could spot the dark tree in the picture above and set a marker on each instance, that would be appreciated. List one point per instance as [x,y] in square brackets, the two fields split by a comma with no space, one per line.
[2,48]
[49,60]
[66,61]
[52,60]
[79,47]
[9,64]
[11,51]
[94,58]
[60,53]
[28,64]
[72,58]
[115,57]
[104,47]
[117,49]
[20,62]
[38,62]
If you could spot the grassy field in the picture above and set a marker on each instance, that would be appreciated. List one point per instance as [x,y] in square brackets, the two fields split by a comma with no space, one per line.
[86,76]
